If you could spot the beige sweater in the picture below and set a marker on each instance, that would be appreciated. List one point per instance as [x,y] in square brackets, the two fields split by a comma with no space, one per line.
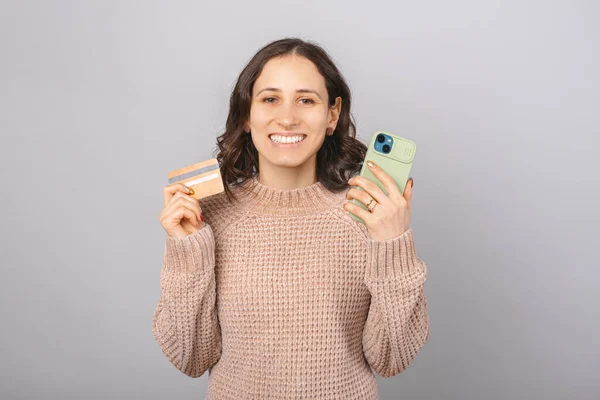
[284,296]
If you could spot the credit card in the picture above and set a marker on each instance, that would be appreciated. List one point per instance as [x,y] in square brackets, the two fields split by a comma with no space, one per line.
[204,178]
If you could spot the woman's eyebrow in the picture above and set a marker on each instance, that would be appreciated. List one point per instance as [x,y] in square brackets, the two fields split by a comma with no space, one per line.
[273,89]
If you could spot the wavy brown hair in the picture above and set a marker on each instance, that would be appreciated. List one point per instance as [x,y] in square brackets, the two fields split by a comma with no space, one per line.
[341,154]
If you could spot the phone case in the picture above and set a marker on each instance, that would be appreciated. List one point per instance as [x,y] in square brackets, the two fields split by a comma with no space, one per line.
[397,163]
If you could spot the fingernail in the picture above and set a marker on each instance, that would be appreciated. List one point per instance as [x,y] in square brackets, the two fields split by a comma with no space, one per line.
[412,183]
[190,190]
[370,164]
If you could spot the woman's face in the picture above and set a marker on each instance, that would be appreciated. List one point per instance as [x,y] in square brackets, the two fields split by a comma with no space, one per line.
[289,98]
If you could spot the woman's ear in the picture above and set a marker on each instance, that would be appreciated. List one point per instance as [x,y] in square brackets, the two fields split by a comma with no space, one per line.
[334,113]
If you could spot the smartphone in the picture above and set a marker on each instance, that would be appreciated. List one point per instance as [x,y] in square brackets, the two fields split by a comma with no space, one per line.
[394,155]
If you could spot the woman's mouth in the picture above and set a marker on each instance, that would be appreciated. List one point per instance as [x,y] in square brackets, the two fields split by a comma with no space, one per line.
[286,141]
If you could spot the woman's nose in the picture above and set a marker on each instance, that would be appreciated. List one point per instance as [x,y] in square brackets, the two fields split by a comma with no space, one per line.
[287,115]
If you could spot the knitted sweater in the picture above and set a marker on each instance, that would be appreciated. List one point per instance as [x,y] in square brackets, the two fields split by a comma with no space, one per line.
[284,296]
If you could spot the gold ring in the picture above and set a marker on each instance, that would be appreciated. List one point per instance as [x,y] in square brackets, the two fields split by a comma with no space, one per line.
[371,209]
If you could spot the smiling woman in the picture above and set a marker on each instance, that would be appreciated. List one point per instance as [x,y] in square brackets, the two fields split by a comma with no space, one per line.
[280,294]
[289,123]
[289,120]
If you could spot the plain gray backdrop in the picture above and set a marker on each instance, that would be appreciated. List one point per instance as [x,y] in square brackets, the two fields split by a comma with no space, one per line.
[100,100]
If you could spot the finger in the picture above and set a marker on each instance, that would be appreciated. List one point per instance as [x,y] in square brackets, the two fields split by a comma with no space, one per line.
[181,215]
[181,195]
[408,190]
[170,190]
[188,226]
[359,195]
[184,212]
[192,202]
[388,182]
[184,202]
[358,211]
[371,188]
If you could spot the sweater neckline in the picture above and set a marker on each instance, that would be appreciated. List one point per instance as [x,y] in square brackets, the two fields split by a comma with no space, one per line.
[260,199]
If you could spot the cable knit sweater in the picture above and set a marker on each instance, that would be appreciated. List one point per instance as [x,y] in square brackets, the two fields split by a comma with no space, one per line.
[284,296]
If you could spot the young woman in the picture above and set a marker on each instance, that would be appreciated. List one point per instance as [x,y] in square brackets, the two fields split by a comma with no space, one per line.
[271,286]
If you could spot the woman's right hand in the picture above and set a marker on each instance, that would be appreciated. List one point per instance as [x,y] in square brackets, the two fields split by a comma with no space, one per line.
[182,213]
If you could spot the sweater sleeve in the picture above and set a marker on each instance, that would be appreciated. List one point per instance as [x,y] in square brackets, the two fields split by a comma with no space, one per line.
[185,322]
[397,324]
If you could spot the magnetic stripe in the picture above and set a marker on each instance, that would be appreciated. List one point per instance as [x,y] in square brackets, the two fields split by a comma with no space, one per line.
[194,173]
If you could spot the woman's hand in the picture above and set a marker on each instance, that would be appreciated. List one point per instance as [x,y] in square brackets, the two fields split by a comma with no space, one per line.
[182,214]
[391,215]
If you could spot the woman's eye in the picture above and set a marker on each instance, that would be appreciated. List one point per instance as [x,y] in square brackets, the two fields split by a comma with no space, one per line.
[268,100]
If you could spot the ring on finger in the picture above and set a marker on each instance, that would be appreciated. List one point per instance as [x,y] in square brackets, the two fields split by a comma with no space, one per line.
[375,205]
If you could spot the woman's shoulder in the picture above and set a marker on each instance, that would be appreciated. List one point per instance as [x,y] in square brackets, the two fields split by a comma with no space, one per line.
[353,228]
[219,211]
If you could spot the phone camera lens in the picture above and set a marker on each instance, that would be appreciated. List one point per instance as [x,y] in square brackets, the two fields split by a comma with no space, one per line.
[386,148]
[380,138]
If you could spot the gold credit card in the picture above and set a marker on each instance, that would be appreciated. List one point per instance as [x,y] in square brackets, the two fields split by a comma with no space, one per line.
[204,177]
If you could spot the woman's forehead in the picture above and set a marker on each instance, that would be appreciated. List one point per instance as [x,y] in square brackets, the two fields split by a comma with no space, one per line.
[290,74]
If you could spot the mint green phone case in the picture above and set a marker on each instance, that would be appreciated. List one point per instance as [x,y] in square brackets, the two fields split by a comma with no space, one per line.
[397,163]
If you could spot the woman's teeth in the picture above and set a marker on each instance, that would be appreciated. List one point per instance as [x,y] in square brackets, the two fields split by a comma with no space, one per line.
[286,139]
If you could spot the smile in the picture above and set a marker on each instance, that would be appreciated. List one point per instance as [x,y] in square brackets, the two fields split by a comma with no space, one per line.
[287,140]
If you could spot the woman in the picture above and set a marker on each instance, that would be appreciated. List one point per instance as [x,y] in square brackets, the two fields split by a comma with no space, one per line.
[271,286]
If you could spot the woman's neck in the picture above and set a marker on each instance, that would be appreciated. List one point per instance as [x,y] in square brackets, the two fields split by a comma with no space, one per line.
[287,178]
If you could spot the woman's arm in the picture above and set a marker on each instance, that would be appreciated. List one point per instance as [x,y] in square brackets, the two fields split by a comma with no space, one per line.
[397,325]
[185,323]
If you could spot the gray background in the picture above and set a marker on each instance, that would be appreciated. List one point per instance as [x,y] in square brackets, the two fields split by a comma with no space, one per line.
[99,100]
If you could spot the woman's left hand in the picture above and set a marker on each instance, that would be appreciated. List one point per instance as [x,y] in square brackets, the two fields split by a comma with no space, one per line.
[391,215]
